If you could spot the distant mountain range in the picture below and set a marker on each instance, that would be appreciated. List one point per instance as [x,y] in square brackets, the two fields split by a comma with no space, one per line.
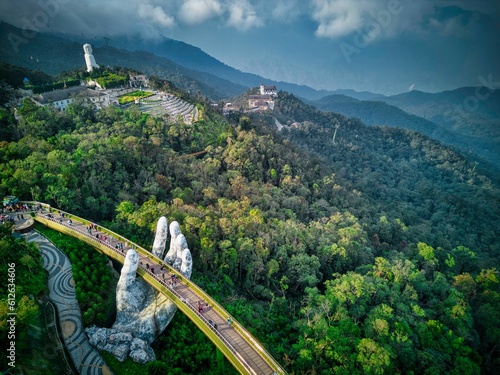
[446,116]
[194,58]
[462,109]
[374,113]
[53,55]
[460,117]
[186,66]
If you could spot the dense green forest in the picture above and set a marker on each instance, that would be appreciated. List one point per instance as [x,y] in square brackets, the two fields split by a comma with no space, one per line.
[376,253]
[22,292]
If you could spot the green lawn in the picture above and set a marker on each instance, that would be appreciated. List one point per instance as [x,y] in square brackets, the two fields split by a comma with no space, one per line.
[130,97]
[109,80]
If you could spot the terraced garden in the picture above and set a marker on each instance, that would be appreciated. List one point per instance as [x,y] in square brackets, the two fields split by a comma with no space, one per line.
[132,96]
[171,106]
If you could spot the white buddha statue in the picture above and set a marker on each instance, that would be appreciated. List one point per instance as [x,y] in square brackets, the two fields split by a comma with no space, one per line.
[89,58]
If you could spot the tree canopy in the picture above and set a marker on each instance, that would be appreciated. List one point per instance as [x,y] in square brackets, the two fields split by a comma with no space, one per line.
[374,254]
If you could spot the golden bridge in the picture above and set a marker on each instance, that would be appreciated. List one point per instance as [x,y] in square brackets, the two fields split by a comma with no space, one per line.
[242,350]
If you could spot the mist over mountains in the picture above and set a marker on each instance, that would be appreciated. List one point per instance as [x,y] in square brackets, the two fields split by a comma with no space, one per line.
[175,59]
[384,46]
[445,116]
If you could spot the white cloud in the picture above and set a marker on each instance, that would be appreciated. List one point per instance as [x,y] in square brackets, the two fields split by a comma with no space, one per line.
[155,15]
[243,16]
[377,19]
[286,10]
[449,26]
[198,11]
[460,26]
[334,19]
[337,18]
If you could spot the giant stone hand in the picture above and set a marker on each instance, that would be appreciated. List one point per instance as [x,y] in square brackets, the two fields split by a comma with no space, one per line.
[161,237]
[142,312]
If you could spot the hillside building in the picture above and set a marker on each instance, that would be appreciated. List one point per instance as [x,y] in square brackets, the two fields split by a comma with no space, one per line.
[264,101]
[268,90]
[60,99]
[260,103]
[139,80]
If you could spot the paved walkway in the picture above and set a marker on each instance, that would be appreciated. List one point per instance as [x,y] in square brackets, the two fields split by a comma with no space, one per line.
[62,293]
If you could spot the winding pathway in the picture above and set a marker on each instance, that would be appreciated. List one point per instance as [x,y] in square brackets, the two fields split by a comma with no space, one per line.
[62,293]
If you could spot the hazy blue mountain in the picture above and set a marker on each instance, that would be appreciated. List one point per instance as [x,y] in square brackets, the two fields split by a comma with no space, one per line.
[184,58]
[360,95]
[468,111]
[375,113]
[477,102]
[53,54]
[196,59]
[435,115]
[390,65]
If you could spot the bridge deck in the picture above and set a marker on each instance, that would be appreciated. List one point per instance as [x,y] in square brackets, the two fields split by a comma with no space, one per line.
[250,355]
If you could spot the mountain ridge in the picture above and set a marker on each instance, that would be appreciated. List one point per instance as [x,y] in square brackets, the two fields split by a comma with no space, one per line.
[194,58]
[414,111]
[41,52]
[230,81]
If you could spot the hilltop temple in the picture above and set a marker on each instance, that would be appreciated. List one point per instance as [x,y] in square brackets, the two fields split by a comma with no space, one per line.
[264,101]
[268,90]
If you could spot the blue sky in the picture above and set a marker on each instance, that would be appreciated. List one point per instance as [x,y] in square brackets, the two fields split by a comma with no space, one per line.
[386,46]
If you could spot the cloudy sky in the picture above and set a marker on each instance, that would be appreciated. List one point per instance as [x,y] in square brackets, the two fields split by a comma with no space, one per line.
[384,46]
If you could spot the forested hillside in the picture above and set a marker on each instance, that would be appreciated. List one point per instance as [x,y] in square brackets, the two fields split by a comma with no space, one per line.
[471,114]
[375,113]
[398,168]
[376,253]
[437,115]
